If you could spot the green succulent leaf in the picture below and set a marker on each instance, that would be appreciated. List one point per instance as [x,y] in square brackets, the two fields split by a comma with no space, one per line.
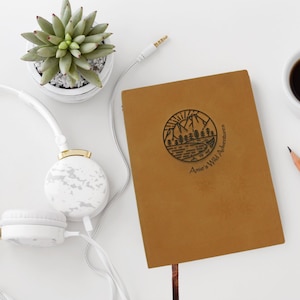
[55,40]
[77,16]
[49,73]
[66,14]
[97,38]
[45,25]
[79,39]
[68,37]
[42,36]
[82,63]
[65,63]
[73,72]
[49,51]
[58,26]
[101,52]
[74,46]
[63,45]
[64,5]
[79,28]
[106,46]
[32,56]
[70,28]
[60,53]
[88,47]
[90,76]
[31,37]
[48,63]
[99,28]
[90,20]
[72,81]
[35,49]
[75,52]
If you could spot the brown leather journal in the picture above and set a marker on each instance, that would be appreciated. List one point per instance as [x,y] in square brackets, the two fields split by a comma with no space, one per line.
[200,171]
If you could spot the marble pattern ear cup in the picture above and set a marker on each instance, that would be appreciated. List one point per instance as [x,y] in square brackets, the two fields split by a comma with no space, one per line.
[77,186]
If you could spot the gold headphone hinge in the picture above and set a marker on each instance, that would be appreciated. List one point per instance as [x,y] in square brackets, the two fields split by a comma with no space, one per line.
[74,152]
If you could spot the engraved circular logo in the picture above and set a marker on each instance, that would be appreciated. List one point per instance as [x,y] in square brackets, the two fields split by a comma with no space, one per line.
[190,135]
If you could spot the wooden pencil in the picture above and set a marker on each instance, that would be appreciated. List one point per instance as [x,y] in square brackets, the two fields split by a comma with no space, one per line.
[295,158]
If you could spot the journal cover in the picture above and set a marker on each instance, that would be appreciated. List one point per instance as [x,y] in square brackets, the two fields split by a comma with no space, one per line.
[200,171]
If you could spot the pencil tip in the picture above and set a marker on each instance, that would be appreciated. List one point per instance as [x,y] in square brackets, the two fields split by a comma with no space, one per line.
[289,149]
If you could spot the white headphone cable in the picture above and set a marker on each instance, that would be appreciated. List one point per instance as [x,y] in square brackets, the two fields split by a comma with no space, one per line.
[90,231]
[150,49]
[111,273]
[4,296]
[143,55]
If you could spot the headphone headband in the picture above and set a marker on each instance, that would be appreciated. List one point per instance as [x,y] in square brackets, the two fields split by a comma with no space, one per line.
[60,139]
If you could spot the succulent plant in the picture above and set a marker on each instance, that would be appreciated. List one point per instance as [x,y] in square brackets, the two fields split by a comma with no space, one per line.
[68,45]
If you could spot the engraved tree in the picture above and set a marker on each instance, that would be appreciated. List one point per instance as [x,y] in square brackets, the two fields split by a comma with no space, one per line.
[180,139]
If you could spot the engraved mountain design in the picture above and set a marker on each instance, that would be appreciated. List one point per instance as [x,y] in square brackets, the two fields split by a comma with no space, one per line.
[190,135]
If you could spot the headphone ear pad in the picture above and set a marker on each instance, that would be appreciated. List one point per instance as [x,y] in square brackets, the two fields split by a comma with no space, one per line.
[77,186]
[33,228]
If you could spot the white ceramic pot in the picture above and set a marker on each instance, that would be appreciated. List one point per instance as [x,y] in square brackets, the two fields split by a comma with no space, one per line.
[74,95]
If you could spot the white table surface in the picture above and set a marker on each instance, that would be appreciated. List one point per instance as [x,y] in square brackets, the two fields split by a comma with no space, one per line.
[205,37]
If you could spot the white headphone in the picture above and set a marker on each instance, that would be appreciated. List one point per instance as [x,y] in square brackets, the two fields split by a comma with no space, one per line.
[78,190]
[76,187]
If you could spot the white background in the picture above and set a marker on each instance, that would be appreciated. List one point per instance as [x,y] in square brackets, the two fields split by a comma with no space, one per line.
[205,37]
